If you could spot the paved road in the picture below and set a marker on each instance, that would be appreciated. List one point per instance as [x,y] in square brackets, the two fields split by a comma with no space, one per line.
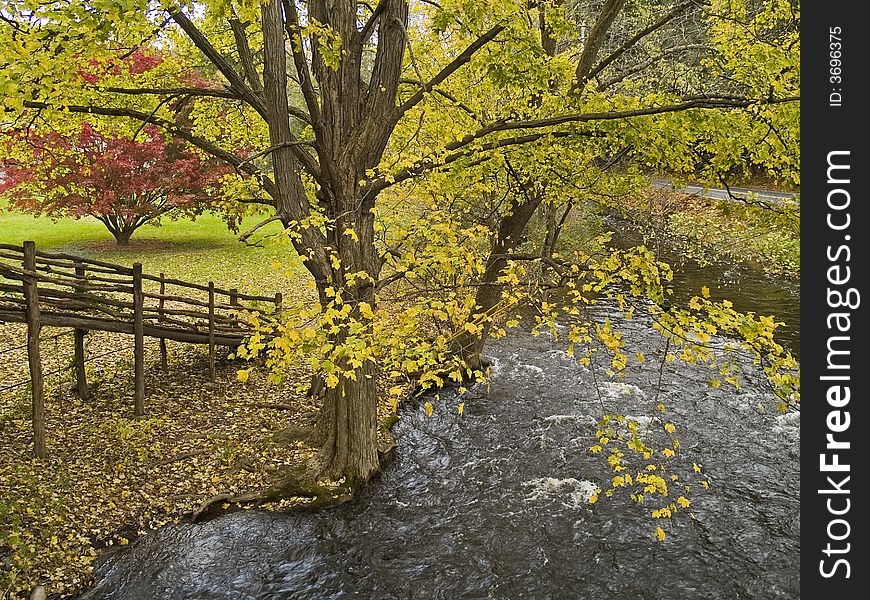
[768,196]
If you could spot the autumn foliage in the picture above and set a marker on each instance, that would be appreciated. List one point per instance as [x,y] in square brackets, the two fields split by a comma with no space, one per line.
[123,182]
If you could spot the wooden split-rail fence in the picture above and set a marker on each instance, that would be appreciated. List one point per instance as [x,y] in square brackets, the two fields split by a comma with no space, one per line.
[61,290]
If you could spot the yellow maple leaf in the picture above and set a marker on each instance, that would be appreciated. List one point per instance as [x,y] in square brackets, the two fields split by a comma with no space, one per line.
[461,408]
[365,309]
[660,534]
[428,408]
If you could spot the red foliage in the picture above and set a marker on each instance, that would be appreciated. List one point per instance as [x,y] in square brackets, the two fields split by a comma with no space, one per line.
[138,62]
[124,183]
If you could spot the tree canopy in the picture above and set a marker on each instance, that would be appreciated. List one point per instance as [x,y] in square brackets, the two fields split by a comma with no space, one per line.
[406,147]
[124,183]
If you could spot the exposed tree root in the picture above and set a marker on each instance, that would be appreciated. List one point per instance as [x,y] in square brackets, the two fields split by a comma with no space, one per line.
[178,457]
[295,485]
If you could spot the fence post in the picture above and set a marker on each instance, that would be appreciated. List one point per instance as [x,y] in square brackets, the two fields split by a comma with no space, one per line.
[164,361]
[79,336]
[138,342]
[211,369]
[37,389]
[234,301]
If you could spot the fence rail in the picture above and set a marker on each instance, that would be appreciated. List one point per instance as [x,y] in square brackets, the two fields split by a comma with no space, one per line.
[62,290]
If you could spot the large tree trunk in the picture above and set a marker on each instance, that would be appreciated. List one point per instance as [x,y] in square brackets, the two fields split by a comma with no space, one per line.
[352,119]
[349,421]
[348,418]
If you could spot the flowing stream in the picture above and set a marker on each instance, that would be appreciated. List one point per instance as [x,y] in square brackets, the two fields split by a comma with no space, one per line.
[493,503]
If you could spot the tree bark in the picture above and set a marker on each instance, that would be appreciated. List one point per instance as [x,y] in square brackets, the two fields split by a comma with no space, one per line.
[349,413]
[122,237]
[508,238]
[349,418]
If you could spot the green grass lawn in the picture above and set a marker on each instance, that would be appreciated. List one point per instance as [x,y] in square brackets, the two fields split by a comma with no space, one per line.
[196,251]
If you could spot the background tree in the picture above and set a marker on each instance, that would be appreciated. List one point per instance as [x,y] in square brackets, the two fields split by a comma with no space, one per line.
[124,183]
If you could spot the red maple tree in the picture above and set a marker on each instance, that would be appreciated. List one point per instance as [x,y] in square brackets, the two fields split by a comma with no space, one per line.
[123,182]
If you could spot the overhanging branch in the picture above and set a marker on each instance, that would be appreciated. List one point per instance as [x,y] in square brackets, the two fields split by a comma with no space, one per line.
[448,70]
[458,147]
[173,128]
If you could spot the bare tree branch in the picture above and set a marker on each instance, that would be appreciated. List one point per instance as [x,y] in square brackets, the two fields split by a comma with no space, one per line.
[245,55]
[448,70]
[218,60]
[271,149]
[245,236]
[179,91]
[370,24]
[630,43]
[595,40]
[291,23]
[445,94]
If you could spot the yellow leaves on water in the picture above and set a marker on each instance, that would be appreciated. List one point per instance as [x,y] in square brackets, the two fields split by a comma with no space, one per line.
[668,452]
[461,408]
[662,513]
[428,408]
[696,467]
[660,534]
[670,428]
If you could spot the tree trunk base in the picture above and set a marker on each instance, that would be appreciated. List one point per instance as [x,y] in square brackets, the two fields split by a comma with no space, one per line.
[346,429]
